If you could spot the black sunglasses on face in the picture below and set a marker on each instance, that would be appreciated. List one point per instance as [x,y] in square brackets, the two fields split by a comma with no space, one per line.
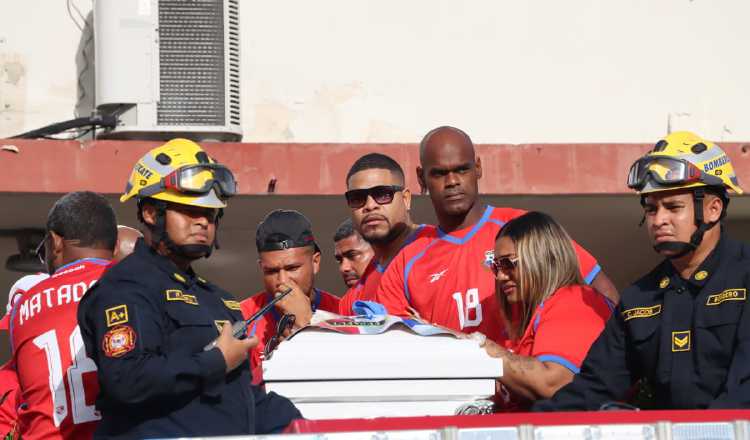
[382,194]
[506,264]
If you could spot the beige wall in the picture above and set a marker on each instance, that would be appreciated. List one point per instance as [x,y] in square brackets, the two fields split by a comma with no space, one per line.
[387,71]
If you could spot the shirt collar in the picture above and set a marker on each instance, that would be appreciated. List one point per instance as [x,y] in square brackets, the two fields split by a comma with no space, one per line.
[702,273]
[166,265]
[99,261]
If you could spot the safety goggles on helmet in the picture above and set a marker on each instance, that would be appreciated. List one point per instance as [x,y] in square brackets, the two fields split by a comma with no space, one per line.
[196,179]
[667,171]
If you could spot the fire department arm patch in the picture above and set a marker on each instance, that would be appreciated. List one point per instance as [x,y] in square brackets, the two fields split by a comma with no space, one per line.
[118,341]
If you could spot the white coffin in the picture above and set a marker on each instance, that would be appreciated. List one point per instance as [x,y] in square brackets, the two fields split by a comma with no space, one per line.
[393,373]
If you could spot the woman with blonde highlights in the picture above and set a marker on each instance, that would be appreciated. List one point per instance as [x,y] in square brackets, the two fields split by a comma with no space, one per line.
[553,318]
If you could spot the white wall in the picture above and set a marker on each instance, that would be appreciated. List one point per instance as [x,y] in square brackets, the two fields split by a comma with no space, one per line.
[389,70]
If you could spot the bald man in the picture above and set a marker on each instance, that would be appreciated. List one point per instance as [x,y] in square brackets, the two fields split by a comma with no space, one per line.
[444,274]
[126,238]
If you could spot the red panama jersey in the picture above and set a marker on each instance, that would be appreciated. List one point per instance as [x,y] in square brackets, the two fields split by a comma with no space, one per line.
[561,330]
[447,279]
[58,382]
[265,327]
[564,326]
[366,288]
[11,397]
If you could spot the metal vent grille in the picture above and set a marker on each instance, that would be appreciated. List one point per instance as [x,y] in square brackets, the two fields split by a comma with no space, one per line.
[234,61]
[191,63]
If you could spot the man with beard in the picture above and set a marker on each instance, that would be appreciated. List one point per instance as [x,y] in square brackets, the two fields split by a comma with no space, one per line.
[147,321]
[352,252]
[444,275]
[380,204]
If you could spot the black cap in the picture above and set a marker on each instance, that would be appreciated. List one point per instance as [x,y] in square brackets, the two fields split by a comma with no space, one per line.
[284,229]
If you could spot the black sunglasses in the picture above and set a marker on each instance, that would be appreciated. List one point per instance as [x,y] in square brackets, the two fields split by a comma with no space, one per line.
[506,264]
[382,194]
[286,322]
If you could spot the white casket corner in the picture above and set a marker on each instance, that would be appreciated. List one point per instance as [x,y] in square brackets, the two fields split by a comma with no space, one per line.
[358,367]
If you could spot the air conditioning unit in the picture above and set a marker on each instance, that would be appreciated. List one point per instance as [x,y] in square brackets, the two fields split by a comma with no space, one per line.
[169,68]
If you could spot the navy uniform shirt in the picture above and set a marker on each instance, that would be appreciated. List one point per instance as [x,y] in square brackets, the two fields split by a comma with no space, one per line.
[145,324]
[688,340]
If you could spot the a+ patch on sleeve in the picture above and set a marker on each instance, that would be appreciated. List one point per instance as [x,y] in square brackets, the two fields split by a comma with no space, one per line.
[116,315]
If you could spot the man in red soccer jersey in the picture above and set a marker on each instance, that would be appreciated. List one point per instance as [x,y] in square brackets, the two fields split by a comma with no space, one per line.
[58,381]
[21,286]
[288,258]
[10,389]
[352,252]
[380,202]
[444,274]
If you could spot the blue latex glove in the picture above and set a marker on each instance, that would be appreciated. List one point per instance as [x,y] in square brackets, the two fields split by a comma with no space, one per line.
[368,309]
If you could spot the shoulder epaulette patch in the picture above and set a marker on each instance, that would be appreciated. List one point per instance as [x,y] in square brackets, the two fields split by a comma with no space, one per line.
[231,304]
[179,278]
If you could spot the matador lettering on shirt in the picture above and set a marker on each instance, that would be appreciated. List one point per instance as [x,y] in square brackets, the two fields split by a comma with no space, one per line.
[58,381]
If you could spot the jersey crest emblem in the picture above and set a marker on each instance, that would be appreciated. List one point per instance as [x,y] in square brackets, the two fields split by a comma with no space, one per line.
[489,257]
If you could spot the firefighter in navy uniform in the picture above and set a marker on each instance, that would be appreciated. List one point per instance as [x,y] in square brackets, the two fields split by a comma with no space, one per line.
[146,321]
[682,331]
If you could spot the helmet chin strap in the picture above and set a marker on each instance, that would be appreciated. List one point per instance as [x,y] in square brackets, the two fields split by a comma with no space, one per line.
[159,235]
[681,248]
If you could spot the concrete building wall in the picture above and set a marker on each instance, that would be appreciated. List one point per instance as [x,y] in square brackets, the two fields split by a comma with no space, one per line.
[387,71]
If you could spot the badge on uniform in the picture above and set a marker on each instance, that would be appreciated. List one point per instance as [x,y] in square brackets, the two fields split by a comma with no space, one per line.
[118,341]
[664,283]
[641,312]
[179,295]
[231,304]
[727,295]
[681,341]
[116,315]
